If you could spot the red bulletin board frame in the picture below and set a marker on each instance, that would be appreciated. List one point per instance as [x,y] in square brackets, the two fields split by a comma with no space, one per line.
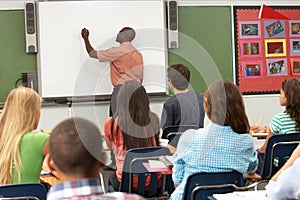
[275,40]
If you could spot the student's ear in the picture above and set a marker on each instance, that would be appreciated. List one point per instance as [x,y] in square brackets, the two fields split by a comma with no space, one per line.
[51,165]
[170,84]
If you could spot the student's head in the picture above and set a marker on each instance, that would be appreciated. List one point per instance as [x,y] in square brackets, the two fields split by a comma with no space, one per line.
[21,113]
[224,105]
[179,76]
[133,101]
[76,148]
[22,108]
[126,34]
[290,98]
[134,117]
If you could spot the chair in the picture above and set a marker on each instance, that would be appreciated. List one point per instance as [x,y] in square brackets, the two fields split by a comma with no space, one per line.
[203,185]
[173,133]
[133,167]
[278,151]
[24,191]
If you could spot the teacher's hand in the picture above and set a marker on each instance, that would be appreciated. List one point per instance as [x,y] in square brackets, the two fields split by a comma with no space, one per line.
[85,33]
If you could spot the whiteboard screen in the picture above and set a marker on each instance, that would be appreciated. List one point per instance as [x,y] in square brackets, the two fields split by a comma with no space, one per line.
[64,67]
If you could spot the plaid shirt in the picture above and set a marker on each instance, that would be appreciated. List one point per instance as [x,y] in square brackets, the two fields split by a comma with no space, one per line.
[214,148]
[88,189]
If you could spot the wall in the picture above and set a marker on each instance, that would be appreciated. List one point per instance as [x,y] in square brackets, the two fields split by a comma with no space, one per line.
[259,106]
[14,60]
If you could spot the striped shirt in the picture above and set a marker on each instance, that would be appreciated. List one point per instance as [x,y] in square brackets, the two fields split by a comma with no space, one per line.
[283,124]
[214,148]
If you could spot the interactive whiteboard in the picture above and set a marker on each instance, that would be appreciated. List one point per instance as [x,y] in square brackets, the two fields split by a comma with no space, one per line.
[64,68]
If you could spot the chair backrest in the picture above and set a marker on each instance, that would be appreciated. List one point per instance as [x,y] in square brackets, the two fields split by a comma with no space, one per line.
[133,167]
[22,190]
[209,179]
[278,150]
[172,133]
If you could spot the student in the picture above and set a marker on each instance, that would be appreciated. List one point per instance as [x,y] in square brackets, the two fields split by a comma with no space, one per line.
[126,62]
[21,149]
[76,157]
[223,146]
[285,183]
[286,122]
[185,107]
[134,125]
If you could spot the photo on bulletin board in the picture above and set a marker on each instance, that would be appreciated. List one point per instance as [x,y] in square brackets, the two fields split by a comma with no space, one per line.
[274,29]
[252,69]
[251,48]
[295,66]
[250,29]
[275,47]
[277,67]
[294,26]
[295,47]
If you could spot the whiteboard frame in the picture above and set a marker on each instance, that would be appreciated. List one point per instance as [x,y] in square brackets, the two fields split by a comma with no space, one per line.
[158,51]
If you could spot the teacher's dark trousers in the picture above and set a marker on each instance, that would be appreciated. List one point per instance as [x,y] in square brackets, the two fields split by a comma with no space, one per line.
[113,100]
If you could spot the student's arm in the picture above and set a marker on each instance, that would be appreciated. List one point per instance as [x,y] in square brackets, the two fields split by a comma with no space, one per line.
[178,157]
[287,184]
[45,150]
[262,149]
[273,128]
[90,50]
[167,116]
[294,156]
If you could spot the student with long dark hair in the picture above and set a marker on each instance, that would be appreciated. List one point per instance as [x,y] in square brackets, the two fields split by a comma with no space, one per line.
[289,120]
[133,125]
[282,123]
[224,145]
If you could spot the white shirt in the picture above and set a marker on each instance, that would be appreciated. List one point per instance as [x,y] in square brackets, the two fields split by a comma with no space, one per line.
[287,185]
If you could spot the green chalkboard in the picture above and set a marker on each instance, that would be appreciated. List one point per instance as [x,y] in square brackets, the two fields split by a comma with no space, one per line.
[205,44]
[13,57]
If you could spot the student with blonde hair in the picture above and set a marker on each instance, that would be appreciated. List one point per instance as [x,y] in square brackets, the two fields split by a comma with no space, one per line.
[21,149]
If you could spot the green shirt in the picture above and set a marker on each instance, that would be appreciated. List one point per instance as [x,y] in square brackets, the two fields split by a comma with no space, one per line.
[283,124]
[32,157]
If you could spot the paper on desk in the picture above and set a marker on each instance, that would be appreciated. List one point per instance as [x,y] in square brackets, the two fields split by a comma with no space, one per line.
[250,195]
[156,164]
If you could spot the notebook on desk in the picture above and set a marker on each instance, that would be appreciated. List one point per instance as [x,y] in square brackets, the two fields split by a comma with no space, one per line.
[245,195]
[157,169]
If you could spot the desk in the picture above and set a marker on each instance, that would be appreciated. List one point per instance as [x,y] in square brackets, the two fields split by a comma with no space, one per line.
[259,135]
[246,195]
[163,170]
[50,179]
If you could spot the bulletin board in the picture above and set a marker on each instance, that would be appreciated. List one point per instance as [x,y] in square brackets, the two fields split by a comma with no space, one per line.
[267,50]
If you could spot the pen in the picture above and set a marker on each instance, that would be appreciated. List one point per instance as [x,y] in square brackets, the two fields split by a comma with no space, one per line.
[258,121]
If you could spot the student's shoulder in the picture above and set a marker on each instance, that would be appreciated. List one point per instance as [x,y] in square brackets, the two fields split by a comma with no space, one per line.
[171,100]
[281,116]
[35,136]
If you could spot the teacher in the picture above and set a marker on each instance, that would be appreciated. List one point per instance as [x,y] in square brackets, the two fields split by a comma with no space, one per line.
[126,62]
